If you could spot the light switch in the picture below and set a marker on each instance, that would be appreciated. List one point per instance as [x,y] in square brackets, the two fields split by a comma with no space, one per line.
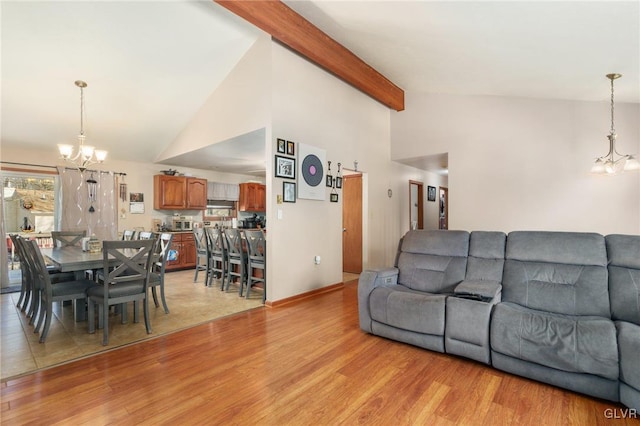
[279,214]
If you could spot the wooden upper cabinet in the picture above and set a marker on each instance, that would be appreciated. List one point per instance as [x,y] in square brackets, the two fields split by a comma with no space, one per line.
[196,194]
[253,197]
[179,193]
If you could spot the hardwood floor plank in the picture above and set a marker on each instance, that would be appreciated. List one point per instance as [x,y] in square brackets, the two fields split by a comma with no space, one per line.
[304,363]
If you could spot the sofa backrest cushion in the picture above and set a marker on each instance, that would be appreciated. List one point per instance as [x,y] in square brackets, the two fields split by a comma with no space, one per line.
[433,261]
[486,256]
[561,272]
[624,277]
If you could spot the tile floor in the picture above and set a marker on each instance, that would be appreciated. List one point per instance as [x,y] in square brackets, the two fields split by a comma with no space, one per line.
[189,304]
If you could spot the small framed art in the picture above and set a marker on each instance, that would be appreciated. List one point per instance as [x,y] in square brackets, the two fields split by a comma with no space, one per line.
[285,167]
[329,181]
[282,146]
[289,192]
[291,148]
[334,198]
[338,182]
[431,193]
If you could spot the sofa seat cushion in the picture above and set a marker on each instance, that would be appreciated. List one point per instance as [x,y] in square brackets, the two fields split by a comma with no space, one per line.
[407,309]
[629,343]
[579,344]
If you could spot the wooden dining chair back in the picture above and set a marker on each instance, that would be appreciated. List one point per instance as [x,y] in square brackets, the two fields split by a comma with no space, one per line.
[257,261]
[125,281]
[49,292]
[202,254]
[146,235]
[67,238]
[217,255]
[128,234]
[237,259]
[161,253]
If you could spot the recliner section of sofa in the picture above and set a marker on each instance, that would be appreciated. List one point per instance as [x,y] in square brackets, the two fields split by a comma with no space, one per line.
[555,313]
[407,303]
[558,307]
[624,290]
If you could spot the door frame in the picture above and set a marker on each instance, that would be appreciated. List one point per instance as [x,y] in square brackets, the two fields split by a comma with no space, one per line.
[419,201]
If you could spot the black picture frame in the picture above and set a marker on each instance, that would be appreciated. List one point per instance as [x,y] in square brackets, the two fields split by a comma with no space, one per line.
[431,193]
[289,192]
[338,182]
[329,181]
[291,148]
[285,167]
[333,197]
[281,146]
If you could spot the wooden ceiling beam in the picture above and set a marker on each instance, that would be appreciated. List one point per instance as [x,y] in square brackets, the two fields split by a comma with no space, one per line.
[294,31]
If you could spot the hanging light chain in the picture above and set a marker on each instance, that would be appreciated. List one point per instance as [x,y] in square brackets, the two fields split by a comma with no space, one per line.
[613,127]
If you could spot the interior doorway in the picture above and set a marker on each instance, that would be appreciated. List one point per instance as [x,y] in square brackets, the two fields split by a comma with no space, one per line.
[444,208]
[352,223]
[416,205]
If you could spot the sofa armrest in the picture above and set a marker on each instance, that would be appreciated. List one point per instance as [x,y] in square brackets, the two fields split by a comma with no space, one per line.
[369,280]
[486,291]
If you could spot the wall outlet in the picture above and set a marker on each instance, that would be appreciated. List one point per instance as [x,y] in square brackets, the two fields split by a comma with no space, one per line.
[316,260]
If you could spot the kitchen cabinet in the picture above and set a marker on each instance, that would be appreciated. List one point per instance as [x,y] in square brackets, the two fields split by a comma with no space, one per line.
[253,197]
[179,193]
[185,246]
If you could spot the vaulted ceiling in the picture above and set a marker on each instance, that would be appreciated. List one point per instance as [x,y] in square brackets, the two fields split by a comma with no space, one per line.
[150,65]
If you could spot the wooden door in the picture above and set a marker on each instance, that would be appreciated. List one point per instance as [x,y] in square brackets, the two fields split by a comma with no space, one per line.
[352,224]
[416,204]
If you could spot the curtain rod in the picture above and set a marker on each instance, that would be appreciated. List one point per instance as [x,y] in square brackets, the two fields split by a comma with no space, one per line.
[54,167]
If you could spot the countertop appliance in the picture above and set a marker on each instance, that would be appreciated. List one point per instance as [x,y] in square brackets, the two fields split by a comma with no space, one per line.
[182,224]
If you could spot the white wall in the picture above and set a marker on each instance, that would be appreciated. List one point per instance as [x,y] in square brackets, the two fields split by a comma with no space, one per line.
[312,107]
[240,104]
[524,163]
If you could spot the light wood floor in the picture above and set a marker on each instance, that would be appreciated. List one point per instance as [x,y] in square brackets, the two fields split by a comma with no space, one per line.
[190,303]
[306,363]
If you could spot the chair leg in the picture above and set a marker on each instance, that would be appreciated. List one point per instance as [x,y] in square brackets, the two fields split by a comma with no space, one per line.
[145,307]
[41,316]
[105,328]
[164,301]
[195,277]
[47,321]
[136,313]
[91,313]
[155,296]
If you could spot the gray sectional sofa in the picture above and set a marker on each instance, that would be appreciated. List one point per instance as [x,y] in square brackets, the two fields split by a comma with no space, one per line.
[558,307]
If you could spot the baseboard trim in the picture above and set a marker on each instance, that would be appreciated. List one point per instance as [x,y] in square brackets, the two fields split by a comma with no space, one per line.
[304,296]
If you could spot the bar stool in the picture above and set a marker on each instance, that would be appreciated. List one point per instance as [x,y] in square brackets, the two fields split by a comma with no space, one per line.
[236,257]
[257,248]
[217,255]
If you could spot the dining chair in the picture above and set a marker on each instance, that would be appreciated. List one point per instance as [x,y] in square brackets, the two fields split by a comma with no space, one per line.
[25,287]
[256,261]
[202,254]
[147,235]
[126,282]
[67,238]
[236,257]
[217,255]
[50,292]
[128,234]
[156,279]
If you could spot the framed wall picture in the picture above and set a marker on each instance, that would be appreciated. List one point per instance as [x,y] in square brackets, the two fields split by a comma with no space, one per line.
[431,193]
[281,146]
[329,181]
[334,197]
[285,167]
[339,182]
[311,161]
[289,192]
[291,148]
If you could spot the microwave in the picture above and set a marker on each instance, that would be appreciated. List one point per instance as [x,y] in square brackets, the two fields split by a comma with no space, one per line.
[182,225]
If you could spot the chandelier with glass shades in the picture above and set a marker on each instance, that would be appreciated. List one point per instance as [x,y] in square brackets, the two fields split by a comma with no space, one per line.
[86,155]
[613,162]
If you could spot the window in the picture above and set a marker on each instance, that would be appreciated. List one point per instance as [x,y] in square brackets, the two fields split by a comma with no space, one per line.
[29,202]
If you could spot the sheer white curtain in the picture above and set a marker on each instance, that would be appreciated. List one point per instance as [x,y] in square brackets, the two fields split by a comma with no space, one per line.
[4,257]
[74,203]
